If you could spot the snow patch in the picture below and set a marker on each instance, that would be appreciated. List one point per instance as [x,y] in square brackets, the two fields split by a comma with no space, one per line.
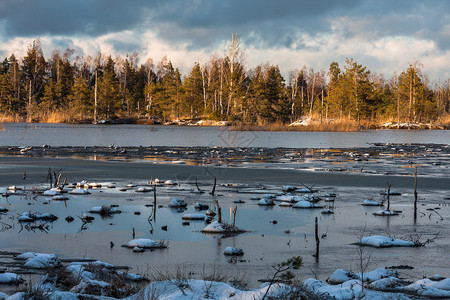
[380,241]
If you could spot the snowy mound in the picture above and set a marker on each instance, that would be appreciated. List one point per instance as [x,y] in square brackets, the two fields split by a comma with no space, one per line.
[266,202]
[216,227]
[104,210]
[51,192]
[340,276]
[306,190]
[288,188]
[197,289]
[385,212]
[143,190]
[10,278]
[2,209]
[200,206]
[176,203]
[36,260]
[380,241]
[144,243]
[368,202]
[80,192]
[60,198]
[287,198]
[194,217]
[29,217]
[233,251]
[306,204]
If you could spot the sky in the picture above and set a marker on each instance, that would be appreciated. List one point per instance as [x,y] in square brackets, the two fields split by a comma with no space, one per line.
[383,35]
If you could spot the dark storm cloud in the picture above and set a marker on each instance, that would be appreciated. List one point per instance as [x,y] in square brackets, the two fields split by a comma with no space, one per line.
[202,24]
[269,20]
[67,17]
[176,20]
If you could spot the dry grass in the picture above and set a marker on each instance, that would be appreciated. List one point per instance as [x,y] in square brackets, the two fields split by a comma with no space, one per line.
[316,125]
[55,117]
[10,118]
[444,120]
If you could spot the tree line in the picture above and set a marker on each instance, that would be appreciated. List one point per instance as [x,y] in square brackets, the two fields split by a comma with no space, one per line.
[102,87]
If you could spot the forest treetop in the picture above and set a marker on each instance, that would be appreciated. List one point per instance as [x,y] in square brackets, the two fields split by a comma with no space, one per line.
[223,88]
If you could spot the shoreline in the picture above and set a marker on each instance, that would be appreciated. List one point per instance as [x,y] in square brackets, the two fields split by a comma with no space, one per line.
[314,127]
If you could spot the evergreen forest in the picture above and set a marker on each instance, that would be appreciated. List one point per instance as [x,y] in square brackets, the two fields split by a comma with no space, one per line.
[75,89]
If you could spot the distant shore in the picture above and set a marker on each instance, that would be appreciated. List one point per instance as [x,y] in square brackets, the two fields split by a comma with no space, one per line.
[304,124]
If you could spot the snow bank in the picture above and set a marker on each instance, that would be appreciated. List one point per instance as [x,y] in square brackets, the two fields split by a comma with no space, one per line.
[347,290]
[430,288]
[380,241]
[387,284]
[443,284]
[2,209]
[200,289]
[143,190]
[143,243]
[39,260]
[340,276]
[378,274]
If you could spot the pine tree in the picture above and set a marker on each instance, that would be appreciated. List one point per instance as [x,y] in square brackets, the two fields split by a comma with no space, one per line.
[411,91]
[50,98]
[6,94]
[34,74]
[192,105]
[80,99]
[108,92]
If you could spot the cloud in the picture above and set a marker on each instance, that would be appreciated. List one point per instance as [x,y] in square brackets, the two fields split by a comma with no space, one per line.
[384,35]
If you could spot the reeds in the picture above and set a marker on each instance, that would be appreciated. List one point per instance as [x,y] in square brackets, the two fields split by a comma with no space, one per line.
[10,118]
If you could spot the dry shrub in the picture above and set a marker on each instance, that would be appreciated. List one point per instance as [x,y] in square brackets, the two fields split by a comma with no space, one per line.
[64,278]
